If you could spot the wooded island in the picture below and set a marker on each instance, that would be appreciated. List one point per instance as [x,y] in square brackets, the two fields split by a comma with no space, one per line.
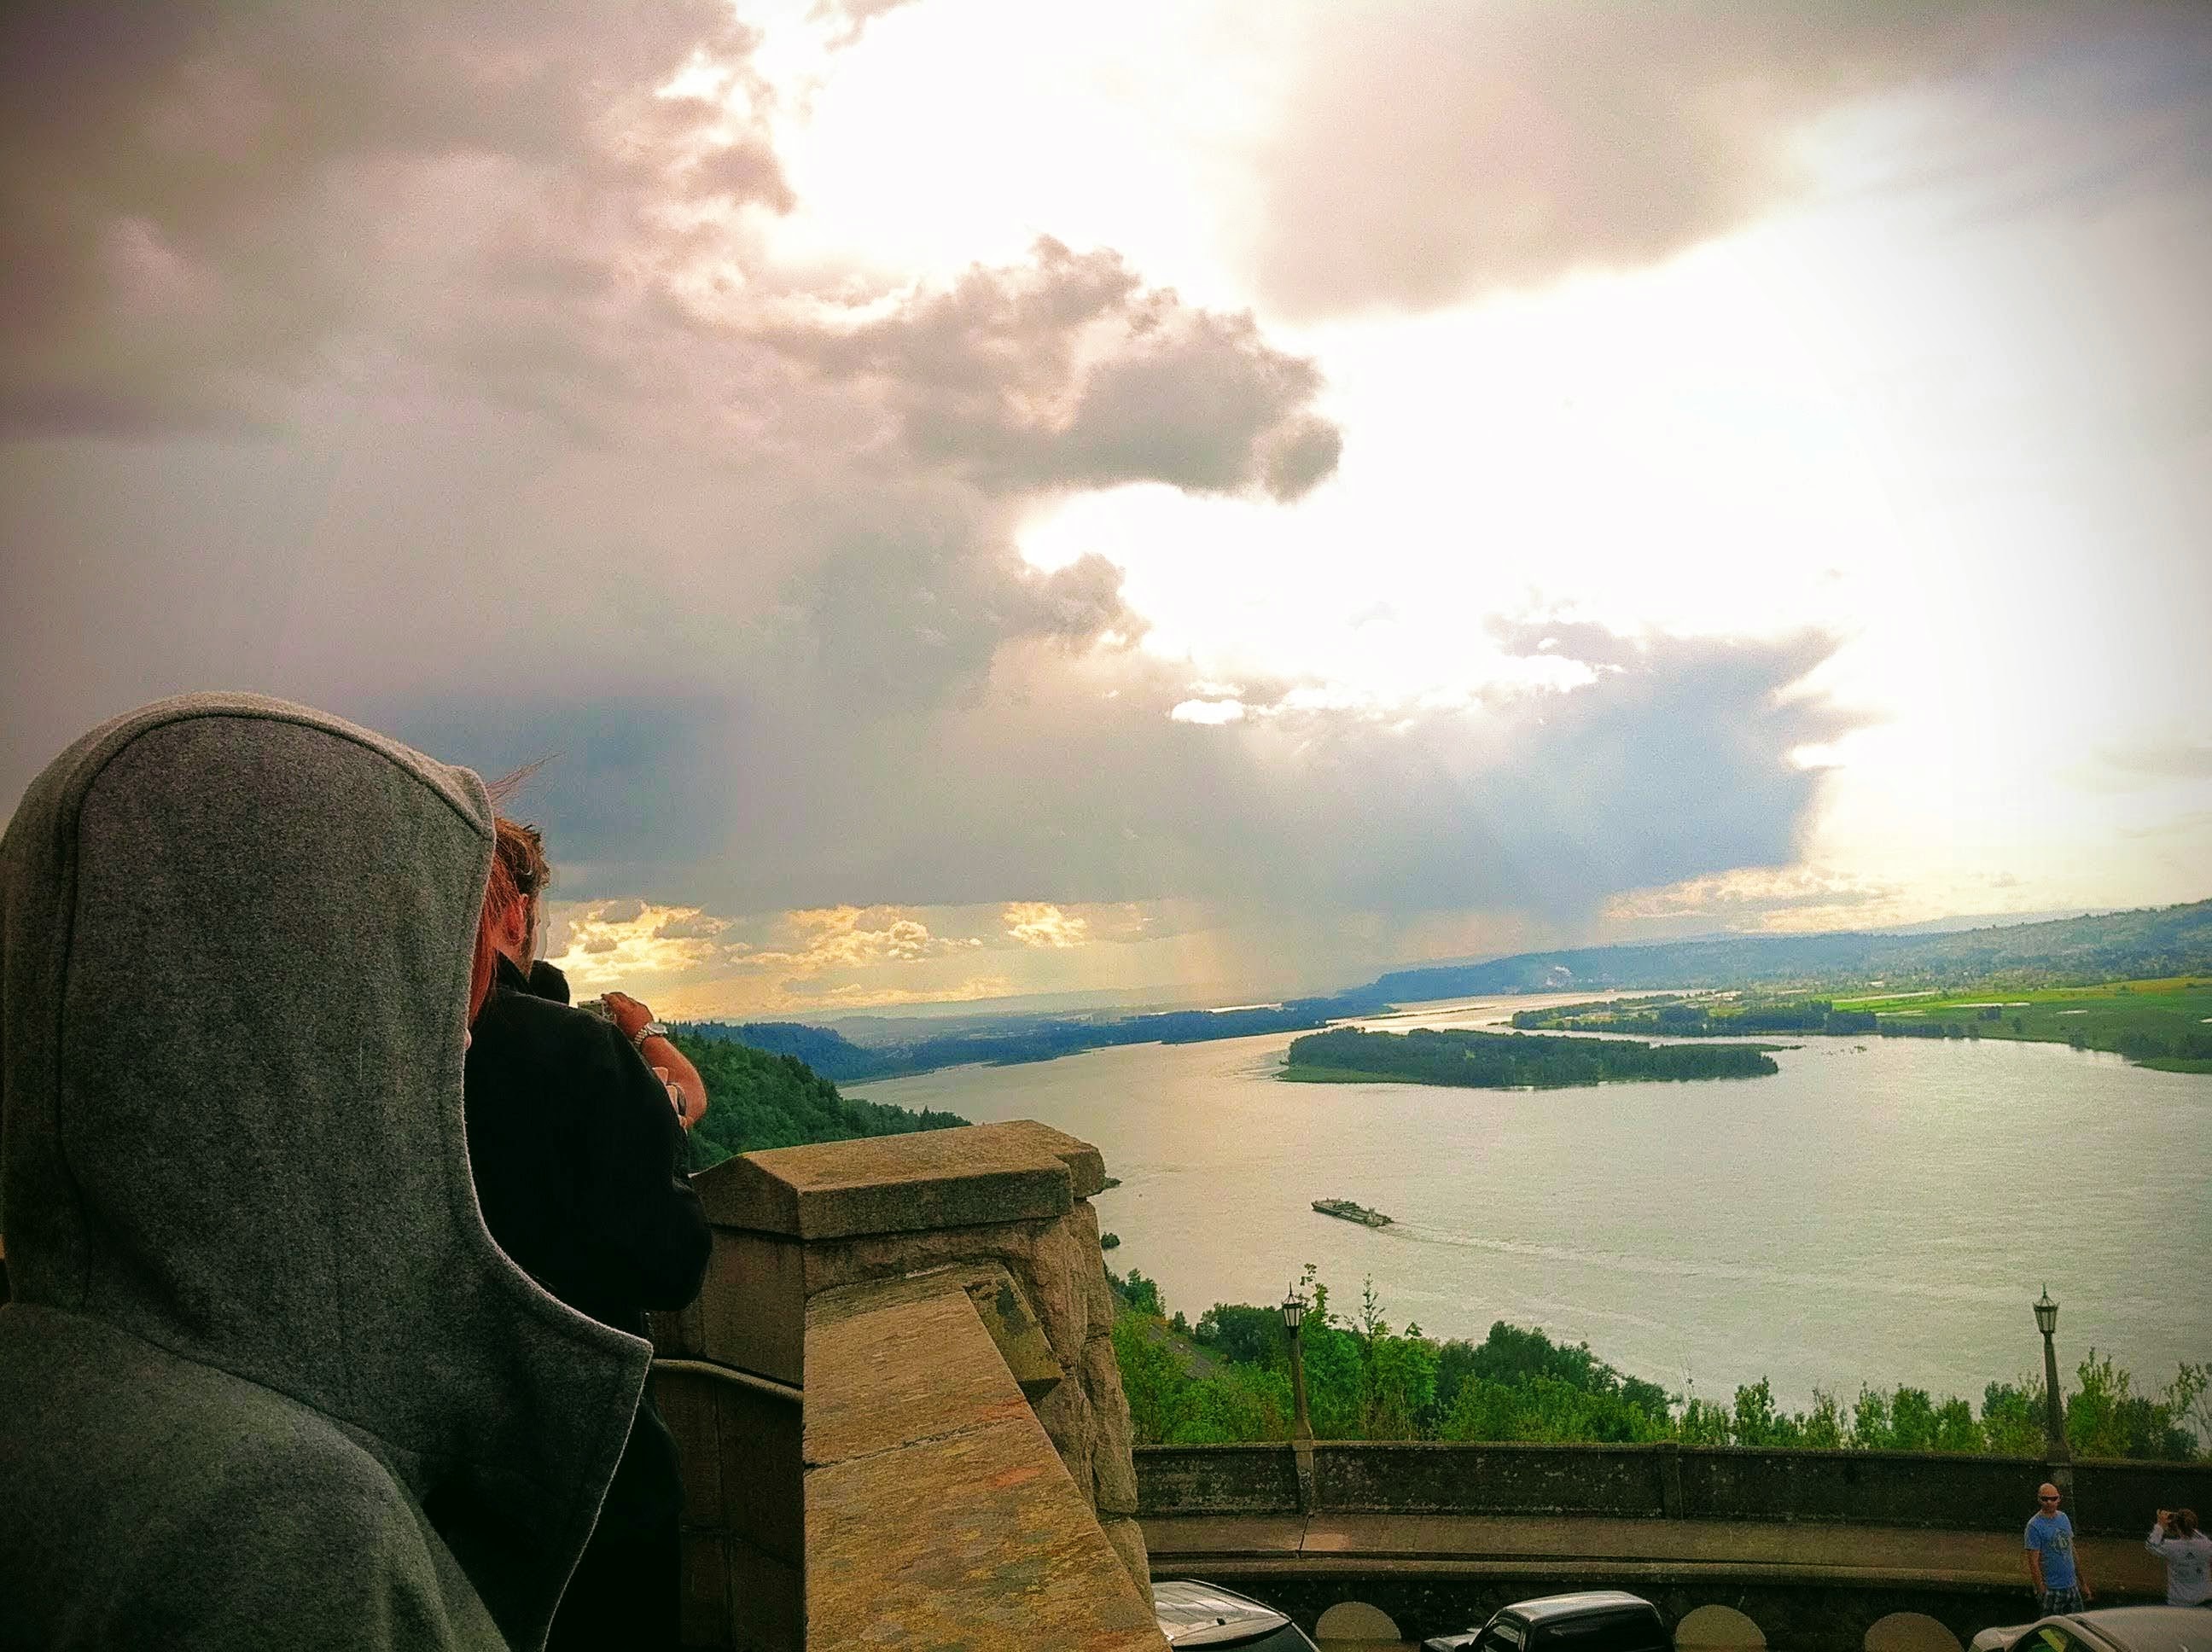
[1486,1060]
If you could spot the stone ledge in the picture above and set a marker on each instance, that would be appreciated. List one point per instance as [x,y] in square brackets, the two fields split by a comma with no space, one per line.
[967,1177]
[999,1302]
[938,1513]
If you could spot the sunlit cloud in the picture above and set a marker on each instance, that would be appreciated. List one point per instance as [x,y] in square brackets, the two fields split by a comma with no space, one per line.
[1210,714]
[845,937]
[607,942]
[1039,923]
[1803,899]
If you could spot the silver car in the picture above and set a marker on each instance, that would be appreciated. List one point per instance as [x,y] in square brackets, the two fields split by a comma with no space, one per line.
[2112,1629]
[1193,1614]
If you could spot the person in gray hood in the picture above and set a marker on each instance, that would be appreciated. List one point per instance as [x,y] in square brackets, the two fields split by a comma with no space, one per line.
[265,1380]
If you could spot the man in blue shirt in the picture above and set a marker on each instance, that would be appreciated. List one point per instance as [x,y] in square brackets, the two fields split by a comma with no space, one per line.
[2053,1572]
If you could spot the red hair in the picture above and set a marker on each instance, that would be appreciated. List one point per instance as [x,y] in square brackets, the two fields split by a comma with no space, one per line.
[500,894]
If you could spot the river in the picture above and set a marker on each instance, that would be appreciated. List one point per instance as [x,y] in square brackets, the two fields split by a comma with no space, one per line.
[1882,1211]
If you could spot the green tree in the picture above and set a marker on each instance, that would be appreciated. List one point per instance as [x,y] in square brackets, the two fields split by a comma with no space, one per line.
[2011,1418]
[1163,1401]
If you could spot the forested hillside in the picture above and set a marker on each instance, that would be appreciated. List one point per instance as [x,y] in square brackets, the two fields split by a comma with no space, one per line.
[2165,941]
[757,1099]
[831,1054]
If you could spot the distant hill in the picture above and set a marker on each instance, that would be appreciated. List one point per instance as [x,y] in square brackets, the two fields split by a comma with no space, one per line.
[831,1054]
[2144,943]
[760,1099]
[1017,1039]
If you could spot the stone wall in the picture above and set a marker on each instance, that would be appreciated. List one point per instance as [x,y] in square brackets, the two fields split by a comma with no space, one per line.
[986,1234]
[1880,1488]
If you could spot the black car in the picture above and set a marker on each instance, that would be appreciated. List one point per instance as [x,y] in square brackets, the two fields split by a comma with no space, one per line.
[1597,1620]
[1192,1614]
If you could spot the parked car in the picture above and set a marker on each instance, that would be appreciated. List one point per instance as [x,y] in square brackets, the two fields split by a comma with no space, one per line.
[2110,1629]
[1596,1620]
[1196,1614]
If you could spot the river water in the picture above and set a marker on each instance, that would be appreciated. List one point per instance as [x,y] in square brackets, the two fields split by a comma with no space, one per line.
[1881,1212]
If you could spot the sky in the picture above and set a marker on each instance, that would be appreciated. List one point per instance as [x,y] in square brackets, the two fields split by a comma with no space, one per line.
[1178,501]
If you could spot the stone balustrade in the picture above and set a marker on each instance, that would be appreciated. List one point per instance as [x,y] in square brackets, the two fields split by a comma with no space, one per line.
[897,1406]
[1663,1481]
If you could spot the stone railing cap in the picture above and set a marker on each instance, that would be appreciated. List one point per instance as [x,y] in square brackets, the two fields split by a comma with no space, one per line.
[1018,1171]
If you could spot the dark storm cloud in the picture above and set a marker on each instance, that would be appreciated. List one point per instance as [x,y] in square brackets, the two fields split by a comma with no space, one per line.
[1072,785]
[1437,149]
[202,204]
[1068,372]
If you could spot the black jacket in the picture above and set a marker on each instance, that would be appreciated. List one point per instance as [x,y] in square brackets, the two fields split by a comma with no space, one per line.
[578,1154]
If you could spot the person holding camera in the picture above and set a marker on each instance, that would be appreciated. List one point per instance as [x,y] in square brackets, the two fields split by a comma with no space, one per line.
[516,935]
[2187,1553]
[577,1145]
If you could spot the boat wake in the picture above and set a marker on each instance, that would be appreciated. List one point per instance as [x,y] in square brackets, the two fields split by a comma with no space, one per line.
[1720,1272]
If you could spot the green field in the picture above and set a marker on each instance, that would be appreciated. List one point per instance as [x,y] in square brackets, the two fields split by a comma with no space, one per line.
[2167,1024]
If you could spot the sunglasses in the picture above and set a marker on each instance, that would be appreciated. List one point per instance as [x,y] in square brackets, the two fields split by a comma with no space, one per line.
[2046,1499]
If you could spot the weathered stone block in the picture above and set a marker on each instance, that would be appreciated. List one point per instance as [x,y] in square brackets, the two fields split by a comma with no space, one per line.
[1113,1465]
[1021,1341]
[911,1370]
[981,1175]
[1057,1265]
[767,1601]
[973,1539]
[1097,1298]
[753,1309]
[833,1264]
[1128,1538]
[1066,1414]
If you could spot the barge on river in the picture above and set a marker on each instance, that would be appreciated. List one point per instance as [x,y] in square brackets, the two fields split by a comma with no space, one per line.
[1344,1209]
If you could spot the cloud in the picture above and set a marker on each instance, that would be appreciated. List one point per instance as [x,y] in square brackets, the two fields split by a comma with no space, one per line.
[846,936]
[1210,713]
[850,19]
[604,944]
[201,208]
[1782,899]
[1540,799]
[432,325]
[1040,923]
[1437,149]
[1068,372]
[2146,762]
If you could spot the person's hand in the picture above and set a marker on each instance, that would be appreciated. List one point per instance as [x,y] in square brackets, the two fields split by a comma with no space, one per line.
[675,1095]
[630,1017]
[2165,1515]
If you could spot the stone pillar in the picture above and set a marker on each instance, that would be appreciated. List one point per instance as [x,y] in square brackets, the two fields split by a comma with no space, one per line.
[802,1236]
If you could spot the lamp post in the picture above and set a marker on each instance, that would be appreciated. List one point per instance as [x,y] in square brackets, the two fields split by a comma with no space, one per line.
[1301,1434]
[1294,1315]
[2054,1411]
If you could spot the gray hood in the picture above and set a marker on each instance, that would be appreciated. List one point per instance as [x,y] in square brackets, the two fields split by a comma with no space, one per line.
[235,940]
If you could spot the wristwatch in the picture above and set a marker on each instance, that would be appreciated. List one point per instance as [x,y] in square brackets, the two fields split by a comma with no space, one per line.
[650,1029]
